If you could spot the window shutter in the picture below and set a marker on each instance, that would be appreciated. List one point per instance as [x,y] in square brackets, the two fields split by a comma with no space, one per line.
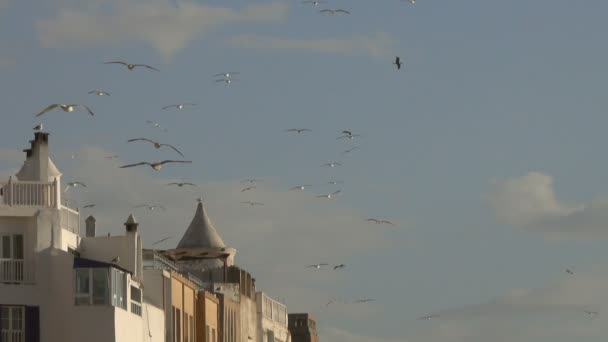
[32,324]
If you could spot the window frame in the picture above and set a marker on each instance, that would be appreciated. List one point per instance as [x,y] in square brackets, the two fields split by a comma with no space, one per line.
[10,319]
[11,246]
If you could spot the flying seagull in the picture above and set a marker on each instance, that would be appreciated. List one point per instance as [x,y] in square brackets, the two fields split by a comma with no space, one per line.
[68,108]
[38,127]
[364,300]
[150,207]
[179,106]
[73,185]
[332,164]
[337,267]
[99,93]
[131,66]
[334,182]
[317,266]
[88,206]
[227,80]
[156,124]
[569,271]
[314,3]
[156,144]
[298,130]
[334,11]
[250,180]
[349,136]
[111,157]
[351,149]
[226,74]
[248,188]
[397,62]
[379,221]
[329,195]
[300,187]
[252,203]
[156,165]
[162,240]
[428,317]
[180,184]
[592,314]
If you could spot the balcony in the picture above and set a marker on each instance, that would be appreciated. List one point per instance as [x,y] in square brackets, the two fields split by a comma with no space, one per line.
[70,220]
[28,194]
[12,335]
[15,271]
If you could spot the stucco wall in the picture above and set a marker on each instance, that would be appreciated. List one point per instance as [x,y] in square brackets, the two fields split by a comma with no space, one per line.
[153,323]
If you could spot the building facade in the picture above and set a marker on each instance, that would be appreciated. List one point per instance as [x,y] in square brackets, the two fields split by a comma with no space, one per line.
[303,327]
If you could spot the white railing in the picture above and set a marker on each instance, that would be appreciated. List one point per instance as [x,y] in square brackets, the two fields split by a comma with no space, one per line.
[70,220]
[15,271]
[28,194]
[136,308]
[12,336]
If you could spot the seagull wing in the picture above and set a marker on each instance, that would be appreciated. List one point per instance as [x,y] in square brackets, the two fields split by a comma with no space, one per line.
[88,110]
[146,66]
[51,107]
[336,192]
[116,62]
[131,165]
[291,130]
[167,107]
[142,139]
[342,11]
[174,149]
[387,222]
[175,161]
[326,11]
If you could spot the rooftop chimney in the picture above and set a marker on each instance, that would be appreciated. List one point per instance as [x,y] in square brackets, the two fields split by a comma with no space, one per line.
[38,167]
[131,224]
[90,224]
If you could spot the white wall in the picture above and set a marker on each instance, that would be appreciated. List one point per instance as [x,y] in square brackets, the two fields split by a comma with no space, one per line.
[153,323]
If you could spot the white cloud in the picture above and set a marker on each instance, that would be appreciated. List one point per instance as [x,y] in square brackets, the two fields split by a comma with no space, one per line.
[380,45]
[152,22]
[530,202]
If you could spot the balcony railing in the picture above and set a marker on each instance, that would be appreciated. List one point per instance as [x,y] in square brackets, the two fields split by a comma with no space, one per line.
[70,220]
[136,308]
[15,271]
[12,336]
[28,194]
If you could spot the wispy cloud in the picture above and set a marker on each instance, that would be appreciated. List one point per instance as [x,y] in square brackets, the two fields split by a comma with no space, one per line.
[152,22]
[530,202]
[380,45]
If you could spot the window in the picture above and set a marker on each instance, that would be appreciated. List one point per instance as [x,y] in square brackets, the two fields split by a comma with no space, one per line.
[119,288]
[186,330]
[136,300]
[208,333]
[12,325]
[191,328]
[11,247]
[212,334]
[93,285]
[178,325]
[269,336]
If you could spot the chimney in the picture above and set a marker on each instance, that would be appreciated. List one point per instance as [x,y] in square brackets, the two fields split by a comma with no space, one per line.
[90,224]
[131,224]
[40,152]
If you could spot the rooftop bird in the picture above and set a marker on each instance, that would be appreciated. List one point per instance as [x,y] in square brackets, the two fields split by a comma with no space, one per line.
[131,66]
[68,108]
[314,3]
[180,184]
[332,164]
[116,259]
[226,74]
[248,188]
[38,127]
[379,221]
[317,266]
[157,145]
[298,130]
[99,93]
[428,317]
[252,203]
[334,11]
[364,300]
[179,106]
[337,267]
[150,207]
[162,240]
[300,187]
[330,195]
[73,185]
[88,206]
[156,165]
[397,62]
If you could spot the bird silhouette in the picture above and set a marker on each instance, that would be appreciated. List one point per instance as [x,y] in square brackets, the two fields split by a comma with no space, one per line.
[397,62]
[156,165]
[157,145]
[68,108]
[131,66]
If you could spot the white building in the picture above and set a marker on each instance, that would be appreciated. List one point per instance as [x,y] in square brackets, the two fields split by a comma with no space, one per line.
[56,286]
[272,319]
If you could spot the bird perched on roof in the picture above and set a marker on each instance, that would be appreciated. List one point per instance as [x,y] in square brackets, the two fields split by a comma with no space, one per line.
[397,62]
[317,266]
[156,165]
[329,195]
[181,184]
[73,185]
[131,66]
[157,145]
[68,108]
[116,259]
[179,106]
[38,127]
[298,130]
[337,267]
[99,93]
[332,11]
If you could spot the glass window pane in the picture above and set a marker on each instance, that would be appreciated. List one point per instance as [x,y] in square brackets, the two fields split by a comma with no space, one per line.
[5,318]
[135,294]
[82,281]
[17,319]
[178,324]
[18,246]
[6,247]
[100,286]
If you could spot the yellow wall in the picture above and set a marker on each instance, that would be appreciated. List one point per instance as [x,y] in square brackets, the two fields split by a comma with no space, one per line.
[183,298]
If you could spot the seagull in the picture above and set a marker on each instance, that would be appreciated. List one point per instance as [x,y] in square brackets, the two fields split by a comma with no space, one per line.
[332,164]
[317,266]
[569,271]
[156,124]
[157,145]
[150,207]
[248,188]
[314,3]
[162,240]
[349,136]
[298,130]
[156,165]
[337,267]
[411,1]
[73,185]
[334,182]
[38,127]
[68,108]
[252,203]
[179,106]
[88,206]
[329,302]
[379,221]
[180,184]
[227,80]
[334,11]
[116,259]
[347,132]
[131,66]
[330,195]
[351,149]
[364,300]
[428,317]
[226,74]
[250,180]
[99,93]
[397,62]
[300,187]
[592,314]
[111,157]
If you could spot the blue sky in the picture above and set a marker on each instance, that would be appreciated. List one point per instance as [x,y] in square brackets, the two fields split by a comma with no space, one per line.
[486,147]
